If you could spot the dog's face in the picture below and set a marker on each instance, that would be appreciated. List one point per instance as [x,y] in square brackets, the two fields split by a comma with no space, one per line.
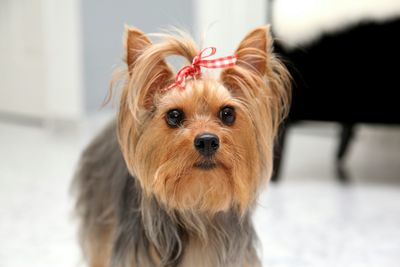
[199,148]
[206,147]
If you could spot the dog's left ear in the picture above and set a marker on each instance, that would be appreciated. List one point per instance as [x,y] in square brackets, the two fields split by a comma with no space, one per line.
[259,74]
[253,56]
[253,50]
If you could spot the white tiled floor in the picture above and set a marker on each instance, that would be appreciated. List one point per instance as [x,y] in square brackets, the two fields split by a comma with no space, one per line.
[308,219]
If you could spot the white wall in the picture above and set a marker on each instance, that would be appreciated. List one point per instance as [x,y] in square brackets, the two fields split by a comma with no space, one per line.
[40,66]
[63,59]
[22,79]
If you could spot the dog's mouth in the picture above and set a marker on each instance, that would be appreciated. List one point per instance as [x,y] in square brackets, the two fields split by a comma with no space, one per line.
[206,164]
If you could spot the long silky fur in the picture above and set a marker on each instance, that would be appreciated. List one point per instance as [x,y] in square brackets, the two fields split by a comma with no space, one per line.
[123,223]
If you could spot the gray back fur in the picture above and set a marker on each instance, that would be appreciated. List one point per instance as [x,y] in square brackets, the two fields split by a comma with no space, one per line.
[108,196]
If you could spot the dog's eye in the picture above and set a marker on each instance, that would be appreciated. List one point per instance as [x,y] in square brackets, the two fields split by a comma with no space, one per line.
[227,115]
[174,117]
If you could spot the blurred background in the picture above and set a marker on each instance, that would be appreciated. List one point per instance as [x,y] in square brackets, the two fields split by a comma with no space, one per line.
[335,199]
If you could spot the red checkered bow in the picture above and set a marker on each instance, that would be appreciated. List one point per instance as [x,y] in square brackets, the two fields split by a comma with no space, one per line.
[199,61]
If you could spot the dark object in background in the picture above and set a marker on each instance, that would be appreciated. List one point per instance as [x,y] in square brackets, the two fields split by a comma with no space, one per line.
[349,77]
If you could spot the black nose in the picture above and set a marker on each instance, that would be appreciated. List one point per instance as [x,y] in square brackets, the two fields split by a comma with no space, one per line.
[206,143]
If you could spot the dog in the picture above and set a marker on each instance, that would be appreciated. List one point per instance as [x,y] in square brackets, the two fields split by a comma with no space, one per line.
[174,179]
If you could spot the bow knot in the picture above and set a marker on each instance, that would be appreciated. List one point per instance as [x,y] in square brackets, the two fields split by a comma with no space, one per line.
[199,61]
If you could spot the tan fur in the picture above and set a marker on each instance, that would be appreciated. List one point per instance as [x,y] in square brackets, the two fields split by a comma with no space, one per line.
[257,87]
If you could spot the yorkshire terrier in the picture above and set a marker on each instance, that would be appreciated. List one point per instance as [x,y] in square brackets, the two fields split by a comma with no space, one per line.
[173,181]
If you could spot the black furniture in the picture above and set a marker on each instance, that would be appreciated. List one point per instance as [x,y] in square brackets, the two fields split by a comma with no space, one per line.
[351,76]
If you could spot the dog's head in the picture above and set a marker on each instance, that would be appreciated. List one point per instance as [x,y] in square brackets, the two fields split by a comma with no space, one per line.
[209,146]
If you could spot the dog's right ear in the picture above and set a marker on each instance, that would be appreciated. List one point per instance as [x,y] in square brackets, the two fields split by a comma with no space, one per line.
[135,43]
[154,72]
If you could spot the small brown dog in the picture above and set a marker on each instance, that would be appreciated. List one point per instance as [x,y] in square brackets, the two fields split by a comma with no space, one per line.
[173,181]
